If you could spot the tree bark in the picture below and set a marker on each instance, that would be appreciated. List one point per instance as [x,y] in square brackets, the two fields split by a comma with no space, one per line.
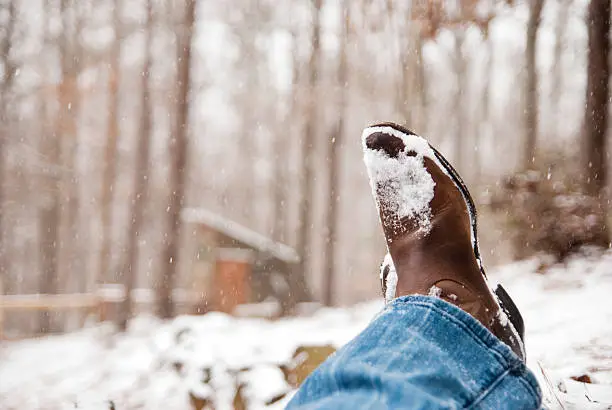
[485,123]
[141,178]
[51,146]
[412,91]
[596,112]
[531,85]
[335,164]
[402,93]
[461,78]
[281,151]
[178,153]
[557,68]
[304,242]
[5,121]
[77,251]
[422,122]
[249,105]
[279,202]
[290,126]
[110,154]
[70,267]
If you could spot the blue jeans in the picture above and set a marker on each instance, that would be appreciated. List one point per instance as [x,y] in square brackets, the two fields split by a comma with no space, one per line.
[421,352]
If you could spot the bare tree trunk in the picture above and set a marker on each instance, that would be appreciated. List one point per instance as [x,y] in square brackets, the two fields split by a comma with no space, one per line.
[49,227]
[531,86]
[283,138]
[335,165]
[557,68]
[485,126]
[422,122]
[110,155]
[51,146]
[66,131]
[141,178]
[250,109]
[412,89]
[77,249]
[281,148]
[5,120]
[178,154]
[310,130]
[402,93]
[461,76]
[596,112]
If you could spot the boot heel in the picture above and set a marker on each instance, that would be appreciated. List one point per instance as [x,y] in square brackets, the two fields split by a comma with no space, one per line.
[508,306]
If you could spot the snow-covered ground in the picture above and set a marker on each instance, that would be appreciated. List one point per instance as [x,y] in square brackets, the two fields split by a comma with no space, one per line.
[568,314]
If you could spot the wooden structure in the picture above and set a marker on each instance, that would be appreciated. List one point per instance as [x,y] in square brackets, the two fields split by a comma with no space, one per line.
[101,304]
[232,277]
[233,265]
[88,302]
[85,301]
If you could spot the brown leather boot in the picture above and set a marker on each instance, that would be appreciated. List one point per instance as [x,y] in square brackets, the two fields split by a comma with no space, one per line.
[429,222]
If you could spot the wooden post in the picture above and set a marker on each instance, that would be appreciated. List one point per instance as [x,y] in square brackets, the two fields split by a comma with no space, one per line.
[109,297]
[1,310]
[232,278]
[102,306]
[203,247]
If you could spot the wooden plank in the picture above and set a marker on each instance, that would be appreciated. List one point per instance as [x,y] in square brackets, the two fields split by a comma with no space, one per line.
[48,302]
[85,300]
[231,283]
[145,296]
[1,310]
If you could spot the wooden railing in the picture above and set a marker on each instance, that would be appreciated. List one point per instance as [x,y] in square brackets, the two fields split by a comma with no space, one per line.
[89,302]
[49,302]
[104,302]
[96,304]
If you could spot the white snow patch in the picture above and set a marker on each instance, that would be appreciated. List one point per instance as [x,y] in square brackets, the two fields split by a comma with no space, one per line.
[401,185]
[566,312]
[391,282]
[503,318]
[435,291]
[241,233]
[505,322]
[422,148]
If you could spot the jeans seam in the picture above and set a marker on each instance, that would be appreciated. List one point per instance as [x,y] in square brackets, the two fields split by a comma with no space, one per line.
[486,391]
[392,357]
[496,354]
[533,391]
[497,382]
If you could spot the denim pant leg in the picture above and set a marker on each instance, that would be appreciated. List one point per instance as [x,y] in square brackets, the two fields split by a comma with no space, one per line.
[421,352]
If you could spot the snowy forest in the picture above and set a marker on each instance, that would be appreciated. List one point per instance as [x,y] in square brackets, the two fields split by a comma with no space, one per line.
[132,130]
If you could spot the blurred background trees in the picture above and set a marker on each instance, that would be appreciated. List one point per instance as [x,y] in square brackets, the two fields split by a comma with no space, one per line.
[117,114]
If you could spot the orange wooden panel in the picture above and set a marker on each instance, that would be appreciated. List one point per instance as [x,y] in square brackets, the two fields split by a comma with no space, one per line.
[231,283]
